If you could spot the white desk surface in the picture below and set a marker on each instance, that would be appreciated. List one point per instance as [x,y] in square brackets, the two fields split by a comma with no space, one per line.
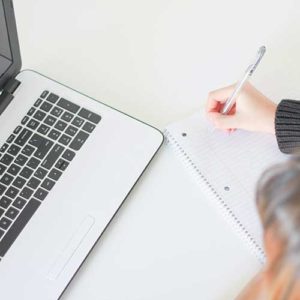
[157,60]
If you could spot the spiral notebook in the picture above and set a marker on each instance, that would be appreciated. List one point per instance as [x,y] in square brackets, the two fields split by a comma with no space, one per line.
[226,167]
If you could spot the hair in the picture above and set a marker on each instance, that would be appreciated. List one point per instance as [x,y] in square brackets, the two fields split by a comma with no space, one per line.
[278,203]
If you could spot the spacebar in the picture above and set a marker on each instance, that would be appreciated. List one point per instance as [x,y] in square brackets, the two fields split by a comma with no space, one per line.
[18,226]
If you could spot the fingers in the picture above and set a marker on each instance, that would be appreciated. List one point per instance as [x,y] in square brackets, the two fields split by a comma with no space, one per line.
[217,98]
[223,122]
[215,102]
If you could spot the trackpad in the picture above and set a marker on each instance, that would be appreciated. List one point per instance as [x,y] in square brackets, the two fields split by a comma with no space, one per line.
[71,248]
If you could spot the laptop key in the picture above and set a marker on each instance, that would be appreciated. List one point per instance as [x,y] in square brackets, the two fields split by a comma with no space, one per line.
[65,139]
[23,137]
[39,115]
[67,116]
[33,124]
[19,203]
[24,120]
[33,183]
[43,145]
[61,165]
[40,194]
[52,98]
[1,213]
[18,129]
[4,223]
[54,134]
[56,111]
[60,125]
[12,192]
[2,169]
[6,159]
[13,150]
[68,155]
[88,115]
[71,130]
[38,102]
[10,138]
[55,174]
[31,111]
[48,184]
[2,189]
[19,182]
[43,149]
[40,173]
[37,140]
[79,140]
[21,160]
[43,129]
[26,172]
[18,225]
[77,122]
[14,169]
[52,156]
[27,150]
[5,202]
[50,120]
[67,105]
[44,94]
[3,147]
[33,163]
[46,106]
[12,213]
[89,127]
[26,193]
[6,179]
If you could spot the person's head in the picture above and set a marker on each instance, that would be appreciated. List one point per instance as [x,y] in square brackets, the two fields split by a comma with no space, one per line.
[278,203]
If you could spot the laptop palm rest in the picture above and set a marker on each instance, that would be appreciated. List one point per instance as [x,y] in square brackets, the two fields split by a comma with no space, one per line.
[71,247]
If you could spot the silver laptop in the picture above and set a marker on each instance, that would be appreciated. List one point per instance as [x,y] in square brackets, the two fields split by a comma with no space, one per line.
[67,163]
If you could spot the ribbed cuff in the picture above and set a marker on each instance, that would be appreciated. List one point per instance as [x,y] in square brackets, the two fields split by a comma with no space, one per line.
[287,126]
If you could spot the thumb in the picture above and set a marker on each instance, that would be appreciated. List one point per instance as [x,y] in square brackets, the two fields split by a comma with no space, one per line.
[221,121]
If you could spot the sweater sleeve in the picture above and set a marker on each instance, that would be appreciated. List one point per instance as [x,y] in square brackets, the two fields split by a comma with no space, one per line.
[287,126]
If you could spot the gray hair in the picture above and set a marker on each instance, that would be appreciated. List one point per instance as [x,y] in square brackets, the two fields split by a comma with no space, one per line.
[278,203]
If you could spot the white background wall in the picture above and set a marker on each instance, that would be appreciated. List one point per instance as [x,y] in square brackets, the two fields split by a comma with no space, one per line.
[158,59]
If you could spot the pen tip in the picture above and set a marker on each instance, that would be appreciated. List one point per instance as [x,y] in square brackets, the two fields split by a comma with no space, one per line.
[263,48]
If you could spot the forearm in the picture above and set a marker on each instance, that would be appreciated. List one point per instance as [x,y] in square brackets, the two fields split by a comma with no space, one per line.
[287,126]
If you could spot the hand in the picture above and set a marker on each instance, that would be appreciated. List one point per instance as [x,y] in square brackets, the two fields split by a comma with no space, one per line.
[252,111]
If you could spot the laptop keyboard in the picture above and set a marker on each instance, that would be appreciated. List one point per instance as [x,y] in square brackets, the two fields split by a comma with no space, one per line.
[35,156]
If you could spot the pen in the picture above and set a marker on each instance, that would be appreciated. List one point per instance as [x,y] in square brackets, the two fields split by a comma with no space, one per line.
[249,71]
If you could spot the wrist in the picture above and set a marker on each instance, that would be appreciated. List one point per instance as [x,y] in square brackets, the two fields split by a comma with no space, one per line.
[269,118]
[272,116]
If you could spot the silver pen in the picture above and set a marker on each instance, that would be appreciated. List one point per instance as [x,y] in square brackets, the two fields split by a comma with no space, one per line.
[249,71]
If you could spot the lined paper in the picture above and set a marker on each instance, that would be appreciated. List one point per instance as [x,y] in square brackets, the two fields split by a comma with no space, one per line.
[228,167]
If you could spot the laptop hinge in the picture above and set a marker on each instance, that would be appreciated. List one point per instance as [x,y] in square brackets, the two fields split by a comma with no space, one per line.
[7,93]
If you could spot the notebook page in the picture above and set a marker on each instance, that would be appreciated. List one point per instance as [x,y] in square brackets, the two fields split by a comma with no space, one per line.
[229,165]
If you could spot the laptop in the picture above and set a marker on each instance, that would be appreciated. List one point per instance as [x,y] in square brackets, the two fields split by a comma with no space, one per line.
[67,163]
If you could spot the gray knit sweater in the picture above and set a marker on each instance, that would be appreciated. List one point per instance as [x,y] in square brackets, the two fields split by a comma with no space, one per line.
[287,126]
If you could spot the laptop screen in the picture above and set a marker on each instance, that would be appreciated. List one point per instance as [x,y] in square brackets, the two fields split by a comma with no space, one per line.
[5,51]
